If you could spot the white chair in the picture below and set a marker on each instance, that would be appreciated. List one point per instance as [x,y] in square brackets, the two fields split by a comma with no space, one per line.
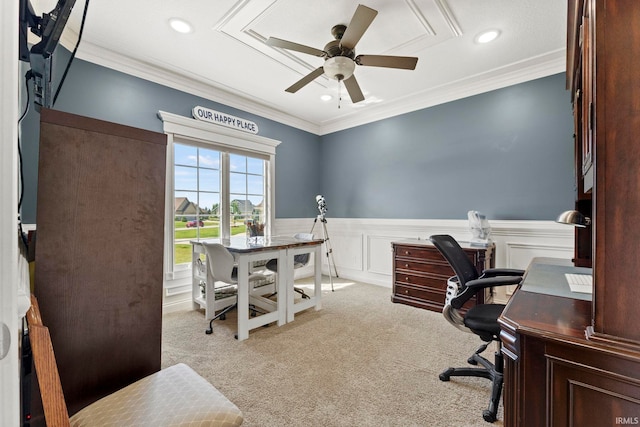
[222,268]
[299,261]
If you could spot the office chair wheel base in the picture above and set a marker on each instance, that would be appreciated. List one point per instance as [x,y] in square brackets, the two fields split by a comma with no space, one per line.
[472,361]
[208,331]
[488,416]
[235,336]
[446,375]
[223,317]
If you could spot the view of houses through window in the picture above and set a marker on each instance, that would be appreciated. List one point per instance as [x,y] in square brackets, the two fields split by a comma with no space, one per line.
[217,195]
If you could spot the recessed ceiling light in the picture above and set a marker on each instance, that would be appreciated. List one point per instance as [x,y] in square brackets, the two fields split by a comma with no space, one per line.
[326,97]
[487,36]
[180,25]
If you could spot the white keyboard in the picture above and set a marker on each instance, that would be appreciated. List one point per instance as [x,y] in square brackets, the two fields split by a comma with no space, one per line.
[582,283]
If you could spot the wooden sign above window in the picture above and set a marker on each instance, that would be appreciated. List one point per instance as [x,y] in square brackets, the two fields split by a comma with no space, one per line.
[212,116]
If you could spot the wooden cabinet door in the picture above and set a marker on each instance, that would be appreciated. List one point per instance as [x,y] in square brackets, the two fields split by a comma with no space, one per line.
[99,251]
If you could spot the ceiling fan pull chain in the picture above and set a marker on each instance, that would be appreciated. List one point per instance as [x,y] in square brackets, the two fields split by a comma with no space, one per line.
[339,94]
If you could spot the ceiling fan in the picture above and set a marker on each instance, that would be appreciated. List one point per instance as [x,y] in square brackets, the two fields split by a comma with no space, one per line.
[340,56]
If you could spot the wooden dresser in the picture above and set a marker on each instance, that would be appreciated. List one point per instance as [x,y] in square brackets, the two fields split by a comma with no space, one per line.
[420,273]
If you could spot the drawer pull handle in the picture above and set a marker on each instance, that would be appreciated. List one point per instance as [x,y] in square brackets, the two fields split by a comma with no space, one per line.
[406,291]
[406,279]
[406,266]
[407,253]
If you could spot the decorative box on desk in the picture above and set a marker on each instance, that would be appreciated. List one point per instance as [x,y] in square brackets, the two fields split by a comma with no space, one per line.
[420,273]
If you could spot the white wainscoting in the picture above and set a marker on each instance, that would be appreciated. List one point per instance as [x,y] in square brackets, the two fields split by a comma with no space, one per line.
[361,248]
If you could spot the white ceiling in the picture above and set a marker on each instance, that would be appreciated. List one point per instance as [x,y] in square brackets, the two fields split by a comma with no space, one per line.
[226,60]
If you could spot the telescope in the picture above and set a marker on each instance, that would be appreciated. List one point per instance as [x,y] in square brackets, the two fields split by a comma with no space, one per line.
[322,205]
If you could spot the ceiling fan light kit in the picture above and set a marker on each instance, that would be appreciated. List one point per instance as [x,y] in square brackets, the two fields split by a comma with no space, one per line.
[339,55]
[339,67]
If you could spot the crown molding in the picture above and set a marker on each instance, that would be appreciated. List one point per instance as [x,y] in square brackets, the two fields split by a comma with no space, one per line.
[154,73]
[207,90]
[519,72]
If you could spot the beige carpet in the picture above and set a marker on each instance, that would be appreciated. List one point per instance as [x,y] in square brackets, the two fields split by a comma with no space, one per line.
[360,361]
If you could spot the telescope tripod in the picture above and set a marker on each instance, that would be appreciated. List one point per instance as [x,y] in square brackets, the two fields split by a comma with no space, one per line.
[327,245]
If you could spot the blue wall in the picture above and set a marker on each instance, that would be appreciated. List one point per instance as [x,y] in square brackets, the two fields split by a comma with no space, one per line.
[507,153]
[98,92]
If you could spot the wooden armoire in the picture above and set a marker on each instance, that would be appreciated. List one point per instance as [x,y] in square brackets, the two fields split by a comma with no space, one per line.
[99,251]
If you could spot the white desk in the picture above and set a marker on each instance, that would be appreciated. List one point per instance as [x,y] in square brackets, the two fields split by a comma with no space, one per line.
[245,252]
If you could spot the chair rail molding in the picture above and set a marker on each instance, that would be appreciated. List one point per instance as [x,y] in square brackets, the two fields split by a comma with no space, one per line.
[362,246]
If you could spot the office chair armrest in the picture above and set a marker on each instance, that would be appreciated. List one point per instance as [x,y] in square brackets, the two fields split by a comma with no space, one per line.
[493,272]
[488,282]
[474,286]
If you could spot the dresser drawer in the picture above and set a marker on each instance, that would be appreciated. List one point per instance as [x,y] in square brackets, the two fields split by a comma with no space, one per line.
[418,293]
[433,282]
[419,253]
[431,299]
[442,269]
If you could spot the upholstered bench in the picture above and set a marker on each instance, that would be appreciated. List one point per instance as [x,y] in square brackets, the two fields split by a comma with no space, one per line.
[175,396]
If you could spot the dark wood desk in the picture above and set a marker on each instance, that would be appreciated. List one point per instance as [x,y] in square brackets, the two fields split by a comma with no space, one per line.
[554,375]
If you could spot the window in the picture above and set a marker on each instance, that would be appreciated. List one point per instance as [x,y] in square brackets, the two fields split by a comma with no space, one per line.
[202,201]
[219,184]
[247,193]
[196,175]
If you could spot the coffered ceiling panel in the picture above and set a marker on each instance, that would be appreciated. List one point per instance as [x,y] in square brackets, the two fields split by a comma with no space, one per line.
[404,30]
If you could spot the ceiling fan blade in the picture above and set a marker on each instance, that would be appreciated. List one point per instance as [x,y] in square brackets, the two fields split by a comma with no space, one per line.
[362,18]
[284,44]
[404,62]
[305,80]
[354,89]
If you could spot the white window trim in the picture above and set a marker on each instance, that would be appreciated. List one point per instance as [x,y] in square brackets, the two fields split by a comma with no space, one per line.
[184,129]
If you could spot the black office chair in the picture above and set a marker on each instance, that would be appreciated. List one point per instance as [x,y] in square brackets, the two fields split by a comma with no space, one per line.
[481,319]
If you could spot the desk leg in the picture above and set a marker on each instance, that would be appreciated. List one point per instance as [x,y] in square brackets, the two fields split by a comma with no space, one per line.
[317,266]
[288,280]
[243,298]
[282,303]
[316,299]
